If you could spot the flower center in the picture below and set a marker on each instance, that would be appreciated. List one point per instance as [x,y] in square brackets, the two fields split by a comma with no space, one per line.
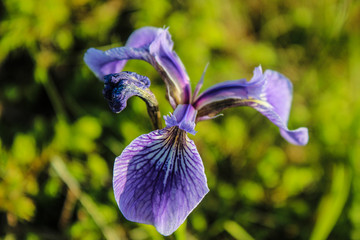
[184,117]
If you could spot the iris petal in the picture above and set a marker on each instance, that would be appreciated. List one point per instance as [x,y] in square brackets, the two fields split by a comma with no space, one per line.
[119,87]
[183,117]
[269,93]
[150,44]
[171,68]
[159,179]
[113,60]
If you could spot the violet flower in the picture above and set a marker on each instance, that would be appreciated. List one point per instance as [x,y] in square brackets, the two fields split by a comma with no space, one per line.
[159,178]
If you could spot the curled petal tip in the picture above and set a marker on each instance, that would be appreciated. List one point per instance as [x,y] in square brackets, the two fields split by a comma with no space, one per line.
[299,136]
[119,87]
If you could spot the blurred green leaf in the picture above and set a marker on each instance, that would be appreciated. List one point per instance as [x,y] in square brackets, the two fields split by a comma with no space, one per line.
[332,203]
[198,221]
[99,170]
[252,191]
[237,231]
[88,127]
[24,207]
[295,179]
[24,148]
[180,233]
[52,187]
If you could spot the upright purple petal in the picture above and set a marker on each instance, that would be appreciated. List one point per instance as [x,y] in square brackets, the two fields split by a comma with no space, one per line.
[171,68]
[153,45]
[159,179]
[143,37]
[183,117]
[269,93]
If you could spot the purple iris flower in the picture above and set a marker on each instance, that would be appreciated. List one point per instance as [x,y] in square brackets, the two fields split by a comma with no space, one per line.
[159,177]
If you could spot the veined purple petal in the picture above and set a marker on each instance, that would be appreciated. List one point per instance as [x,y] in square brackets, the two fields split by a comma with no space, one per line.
[113,60]
[150,44]
[159,179]
[103,63]
[183,117]
[171,68]
[232,89]
[269,93]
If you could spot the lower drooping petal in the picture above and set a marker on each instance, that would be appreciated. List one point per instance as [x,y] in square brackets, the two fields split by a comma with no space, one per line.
[278,92]
[159,179]
[269,93]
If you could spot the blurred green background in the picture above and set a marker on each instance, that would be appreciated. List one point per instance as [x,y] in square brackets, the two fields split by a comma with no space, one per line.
[59,138]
